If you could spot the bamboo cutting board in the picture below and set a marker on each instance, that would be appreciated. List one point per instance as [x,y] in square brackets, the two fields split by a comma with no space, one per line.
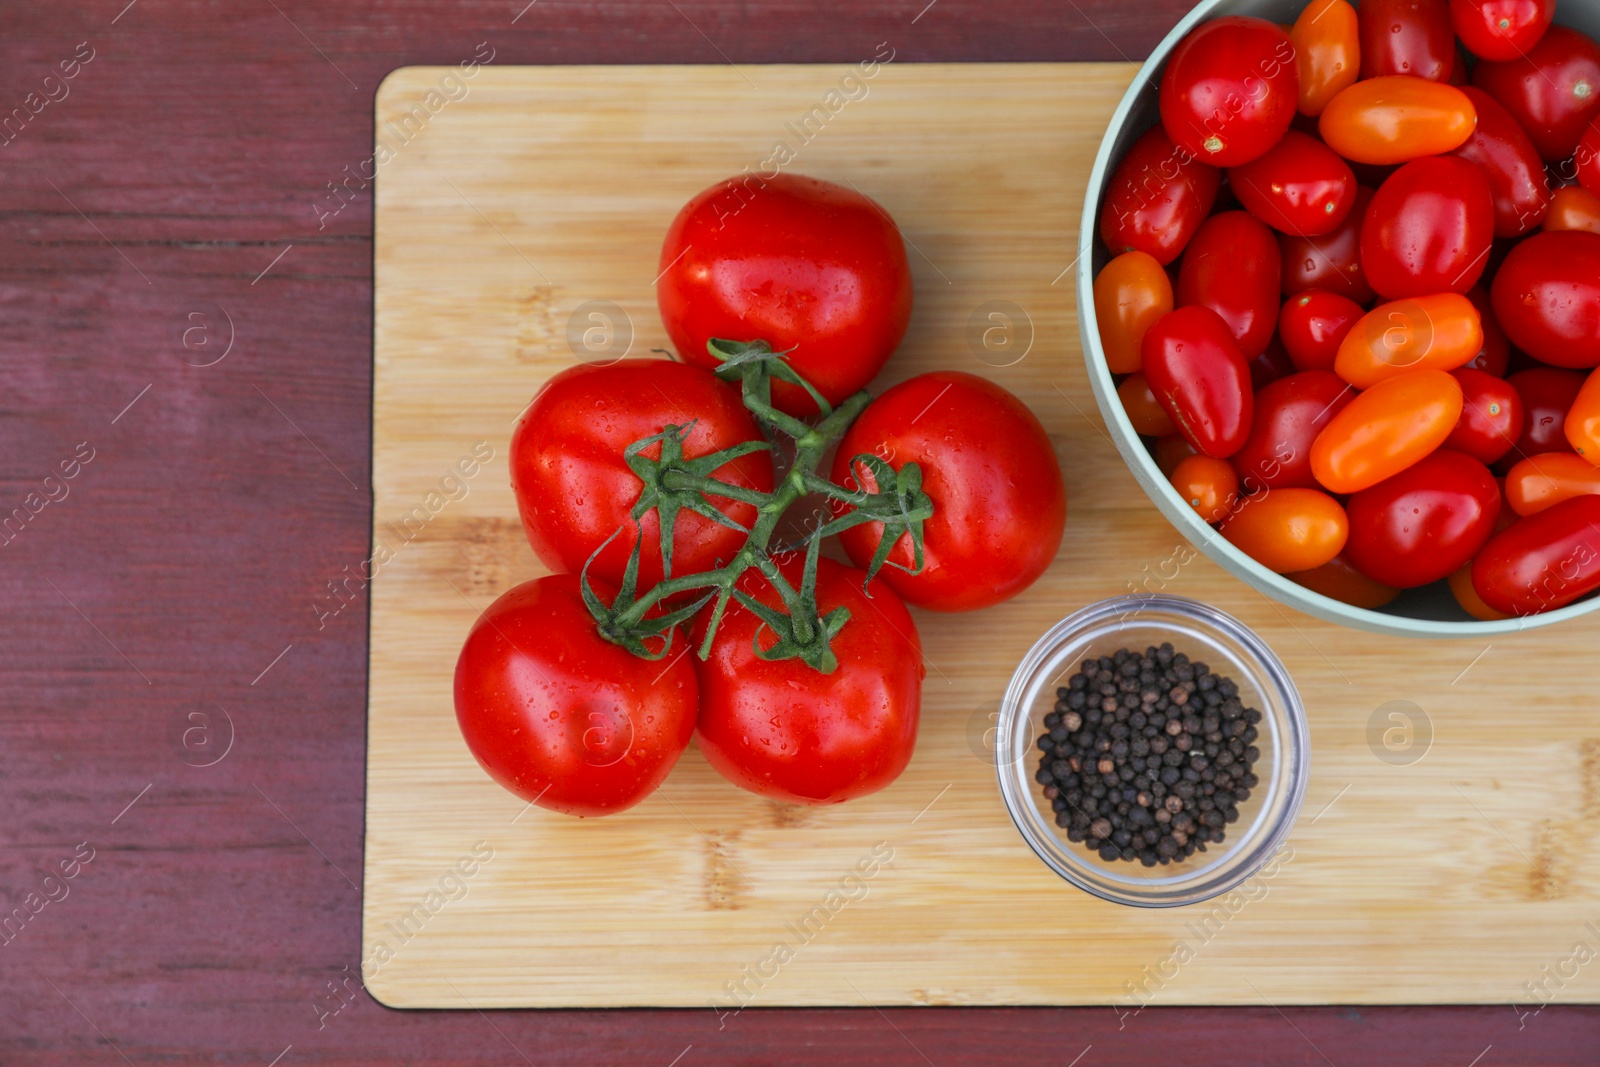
[1448,854]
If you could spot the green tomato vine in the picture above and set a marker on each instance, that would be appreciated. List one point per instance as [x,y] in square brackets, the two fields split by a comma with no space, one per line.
[672,483]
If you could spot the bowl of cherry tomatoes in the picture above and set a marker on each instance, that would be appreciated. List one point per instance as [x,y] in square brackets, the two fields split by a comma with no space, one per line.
[1339,292]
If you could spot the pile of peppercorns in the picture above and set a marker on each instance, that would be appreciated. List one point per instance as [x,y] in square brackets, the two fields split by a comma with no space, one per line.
[1147,756]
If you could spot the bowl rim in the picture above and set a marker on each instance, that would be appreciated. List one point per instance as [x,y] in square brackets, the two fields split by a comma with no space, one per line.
[1143,465]
[1294,745]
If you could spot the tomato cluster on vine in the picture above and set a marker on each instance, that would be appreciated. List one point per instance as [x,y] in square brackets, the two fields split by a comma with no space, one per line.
[1354,296]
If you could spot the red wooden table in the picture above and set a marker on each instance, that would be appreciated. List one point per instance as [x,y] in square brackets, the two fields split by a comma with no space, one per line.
[185,327]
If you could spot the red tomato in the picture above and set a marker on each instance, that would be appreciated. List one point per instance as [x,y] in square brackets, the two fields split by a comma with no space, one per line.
[562,717]
[1491,416]
[1542,481]
[1423,523]
[1503,151]
[1573,208]
[1428,229]
[1298,186]
[1396,119]
[1342,582]
[1157,197]
[1289,414]
[1586,159]
[1498,30]
[1230,89]
[1547,394]
[1468,598]
[1232,268]
[1170,451]
[1288,530]
[1327,46]
[1406,37]
[1198,374]
[1385,430]
[1547,297]
[1543,562]
[1331,262]
[1130,293]
[791,733]
[1209,485]
[1582,425]
[1439,332]
[1553,89]
[1270,365]
[1495,356]
[807,266]
[574,488]
[1311,325]
[998,503]
[1149,418]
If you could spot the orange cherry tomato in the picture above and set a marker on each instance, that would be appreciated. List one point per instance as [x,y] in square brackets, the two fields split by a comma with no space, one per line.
[1149,418]
[1172,450]
[1573,207]
[1441,332]
[1288,530]
[1342,582]
[1467,596]
[1582,425]
[1130,293]
[1385,430]
[1541,481]
[1397,118]
[1210,485]
[1327,51]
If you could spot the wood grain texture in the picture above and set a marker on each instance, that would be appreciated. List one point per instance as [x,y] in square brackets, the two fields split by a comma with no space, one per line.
[209,927]
[1454,877]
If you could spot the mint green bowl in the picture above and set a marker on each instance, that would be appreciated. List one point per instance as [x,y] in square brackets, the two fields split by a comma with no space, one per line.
[1427,612]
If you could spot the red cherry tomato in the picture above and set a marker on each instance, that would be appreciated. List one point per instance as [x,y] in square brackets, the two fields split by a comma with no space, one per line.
[1491,416]
[574,488]
[988,466]
[1547,394]
[1542,481]
[1230,89]
[1552,90]
[1232,267]
[809,267]
[1495,356]
[1332,261]
[1201,379]
[559,715]
[1342,582]
[1149,418]
[1547,297]
[1386,429]
[1439,332]
[1428,229]
[1423,523]
[1396,119]
[1543,562]
[1327,46]
[1498,30]
[1297,186]
[1270,365]
[1573,208]
[1209,485]
[1289,414]
[1586,158]
[1172,450]
[1582,425]
[1502,150]
[1406,37]
[1313,323]
[1130,293]
[1288,530]
[786,731]
[1158,196]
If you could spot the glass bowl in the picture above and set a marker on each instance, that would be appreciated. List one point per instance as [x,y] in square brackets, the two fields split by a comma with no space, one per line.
[1230,649]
